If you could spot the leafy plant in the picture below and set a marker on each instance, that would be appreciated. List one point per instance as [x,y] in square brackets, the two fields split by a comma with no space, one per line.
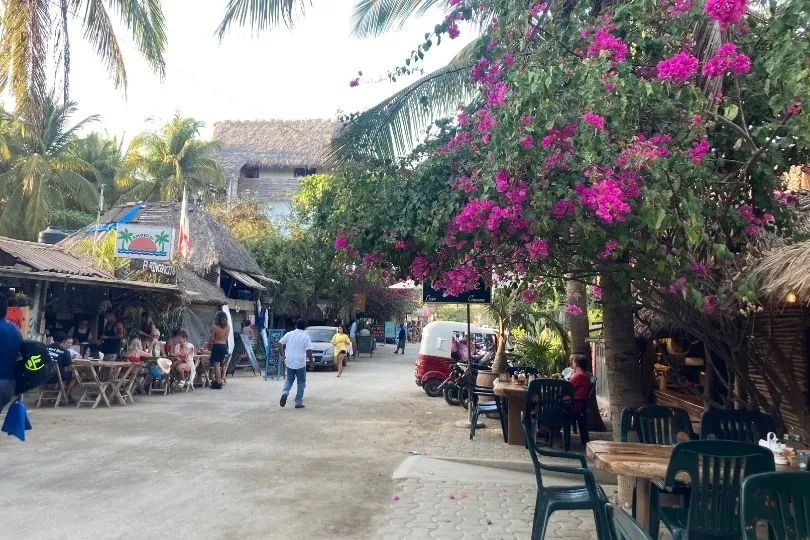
[540,353]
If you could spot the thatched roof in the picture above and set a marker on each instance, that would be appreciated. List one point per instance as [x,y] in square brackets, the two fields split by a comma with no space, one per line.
[211,243]
[785,268]
[283,144]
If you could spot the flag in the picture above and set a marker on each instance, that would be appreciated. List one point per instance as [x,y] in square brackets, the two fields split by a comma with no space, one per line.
[185,236]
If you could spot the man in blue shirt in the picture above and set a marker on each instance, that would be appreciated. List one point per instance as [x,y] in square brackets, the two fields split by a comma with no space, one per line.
[10,341]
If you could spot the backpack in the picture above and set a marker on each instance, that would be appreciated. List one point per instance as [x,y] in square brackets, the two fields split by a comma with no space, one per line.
[33,367]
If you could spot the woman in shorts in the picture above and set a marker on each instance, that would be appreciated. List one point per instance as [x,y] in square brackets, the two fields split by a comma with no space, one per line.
[218,345]
[341,342]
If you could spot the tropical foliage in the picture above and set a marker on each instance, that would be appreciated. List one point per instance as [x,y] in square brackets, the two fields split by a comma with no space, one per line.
[43,173]
[161,164]
[30,31]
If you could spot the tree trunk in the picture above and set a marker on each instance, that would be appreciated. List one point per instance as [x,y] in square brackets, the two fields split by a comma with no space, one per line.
[499,362]
[625,388]
[578,324]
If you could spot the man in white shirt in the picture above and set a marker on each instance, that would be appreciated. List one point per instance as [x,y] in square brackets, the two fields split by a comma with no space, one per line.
[296,350]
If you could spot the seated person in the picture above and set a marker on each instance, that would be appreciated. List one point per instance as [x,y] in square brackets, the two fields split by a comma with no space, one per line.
[62,355]
[134,351]
[581,381]
[183,358]
[171,344]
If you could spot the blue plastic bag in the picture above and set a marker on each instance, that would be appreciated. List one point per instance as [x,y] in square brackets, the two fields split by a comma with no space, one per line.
[16,422]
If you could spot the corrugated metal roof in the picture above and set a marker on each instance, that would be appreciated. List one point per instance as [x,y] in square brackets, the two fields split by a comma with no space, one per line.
[93,280]
[48,258]
[245,279]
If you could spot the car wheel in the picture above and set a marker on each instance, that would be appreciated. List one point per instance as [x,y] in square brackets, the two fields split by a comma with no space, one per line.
[431,387]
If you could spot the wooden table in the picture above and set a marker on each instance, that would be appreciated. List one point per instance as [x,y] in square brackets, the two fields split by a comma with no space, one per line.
[644,462]
[102,386]
[515,395]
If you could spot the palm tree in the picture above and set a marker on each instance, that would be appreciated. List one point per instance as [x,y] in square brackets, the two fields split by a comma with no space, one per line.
[30,29]
[125,236]
[105,156]
[43,173]
[162,239]
[157,166]
[390,128]
[509,312]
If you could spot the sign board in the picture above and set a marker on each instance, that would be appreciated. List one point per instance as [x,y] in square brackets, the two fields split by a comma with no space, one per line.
[390,330]
[243,346]
[272,366]
[19,317]
[378,331]
[481,294]
[359,302]
[144,242]
[160,271]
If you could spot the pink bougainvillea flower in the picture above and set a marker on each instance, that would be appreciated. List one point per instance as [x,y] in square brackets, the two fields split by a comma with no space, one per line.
[699,150]
[643,150]
[606,199]
[573,309]
[420,267]
[696,121]
[678,69]
[341,242]
[453,31]
[562,208]
[395,498]
[700,269]
[677,286]
[463,118]
[610,86]
[727,60]
[676,8]
[537,9]
[527,142]
[528,296]
[497,96]
[526,119]
[372,259]
[709,305]
[502,181]
[725,12]
[400,244]
[537,249]
[596,291]
[606,44]
[508,60]
[595,120]
[610,246]
[354,82]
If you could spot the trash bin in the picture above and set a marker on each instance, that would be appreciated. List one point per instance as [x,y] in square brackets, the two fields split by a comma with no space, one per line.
[365,345]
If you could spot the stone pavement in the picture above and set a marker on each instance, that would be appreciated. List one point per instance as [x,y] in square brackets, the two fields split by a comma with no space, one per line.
[470,501]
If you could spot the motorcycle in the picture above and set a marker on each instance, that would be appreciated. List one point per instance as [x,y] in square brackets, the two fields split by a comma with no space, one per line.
[456,388]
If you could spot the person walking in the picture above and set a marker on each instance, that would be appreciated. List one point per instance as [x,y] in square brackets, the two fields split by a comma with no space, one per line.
[342,344]
[10,342]
[401,337]
[296,350]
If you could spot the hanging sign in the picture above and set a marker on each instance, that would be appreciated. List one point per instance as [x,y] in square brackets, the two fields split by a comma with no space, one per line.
[144,242]
[160,271]
[481,294]
[19,317]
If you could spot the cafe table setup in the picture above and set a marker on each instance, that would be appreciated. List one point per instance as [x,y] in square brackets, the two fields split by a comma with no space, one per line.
[515,394]
[104,382]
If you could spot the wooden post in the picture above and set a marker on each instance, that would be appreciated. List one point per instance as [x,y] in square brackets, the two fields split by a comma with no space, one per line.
[469,358]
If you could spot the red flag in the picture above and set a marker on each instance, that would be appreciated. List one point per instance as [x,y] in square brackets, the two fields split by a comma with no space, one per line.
[185,235]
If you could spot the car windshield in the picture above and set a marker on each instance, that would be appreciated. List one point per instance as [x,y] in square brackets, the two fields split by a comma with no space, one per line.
[324,335]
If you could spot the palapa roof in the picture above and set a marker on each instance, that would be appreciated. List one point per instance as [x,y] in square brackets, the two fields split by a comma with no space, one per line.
[281,144]
[211,243]
[785,268]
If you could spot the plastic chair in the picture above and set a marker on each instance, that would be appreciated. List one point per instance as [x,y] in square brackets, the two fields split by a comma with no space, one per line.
[623,526]
[781,500]
[486,407]
[743,426]
[548,403]
[588,496]
[716,470]
[657,424]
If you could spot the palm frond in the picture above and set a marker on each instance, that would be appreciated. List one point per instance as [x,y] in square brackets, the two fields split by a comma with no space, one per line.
[99,31]
[260,15]
[145,21]
[392,127]
[23,52]
[372,18]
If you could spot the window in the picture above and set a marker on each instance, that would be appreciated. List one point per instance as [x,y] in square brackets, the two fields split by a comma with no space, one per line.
[298,172]
[250,172]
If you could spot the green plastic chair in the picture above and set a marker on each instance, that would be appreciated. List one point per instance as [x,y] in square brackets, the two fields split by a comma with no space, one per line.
[657,424]
[588,496]
[623,526]
[781,500]
[548,403]
[716,469]
[743,426]
[493,406]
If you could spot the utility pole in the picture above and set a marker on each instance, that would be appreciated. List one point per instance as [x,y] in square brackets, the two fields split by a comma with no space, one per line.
[98,221]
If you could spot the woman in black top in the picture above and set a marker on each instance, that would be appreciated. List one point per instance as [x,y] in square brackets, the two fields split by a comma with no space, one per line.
[112,337]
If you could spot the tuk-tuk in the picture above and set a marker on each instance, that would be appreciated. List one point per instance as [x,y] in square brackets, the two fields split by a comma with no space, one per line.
[435,352]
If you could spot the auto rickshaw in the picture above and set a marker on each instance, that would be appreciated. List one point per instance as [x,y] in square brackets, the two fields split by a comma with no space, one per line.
[435,358]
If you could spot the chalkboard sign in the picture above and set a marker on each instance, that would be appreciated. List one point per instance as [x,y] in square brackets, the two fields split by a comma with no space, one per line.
[243,345]
[481,294]
[272,366]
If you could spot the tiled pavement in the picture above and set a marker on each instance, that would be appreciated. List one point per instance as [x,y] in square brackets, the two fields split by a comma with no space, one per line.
[462,507]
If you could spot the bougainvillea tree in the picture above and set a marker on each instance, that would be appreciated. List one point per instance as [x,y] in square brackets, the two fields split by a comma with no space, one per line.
[638,144]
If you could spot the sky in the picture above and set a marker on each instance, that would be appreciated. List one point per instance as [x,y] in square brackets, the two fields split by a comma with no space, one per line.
[289,74]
